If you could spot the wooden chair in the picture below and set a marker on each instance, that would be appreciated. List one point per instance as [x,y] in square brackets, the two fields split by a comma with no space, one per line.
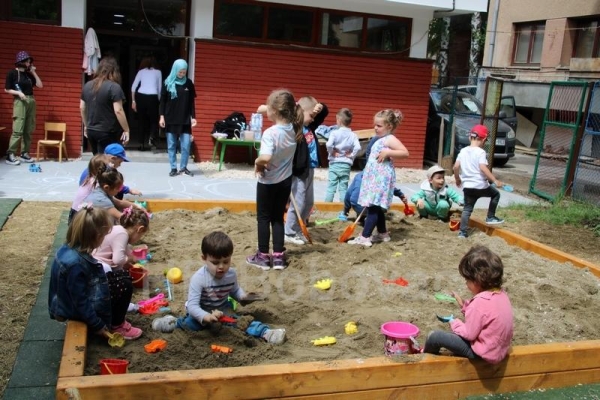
[53,141]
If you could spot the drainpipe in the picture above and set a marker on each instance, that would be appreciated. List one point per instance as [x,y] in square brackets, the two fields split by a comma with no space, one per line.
[493,36]
[444,11]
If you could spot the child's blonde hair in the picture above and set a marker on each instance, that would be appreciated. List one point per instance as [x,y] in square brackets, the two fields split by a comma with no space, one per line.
[345,116]
[390,117]
[87,229]
[134,216]
[282,102]
[307,103]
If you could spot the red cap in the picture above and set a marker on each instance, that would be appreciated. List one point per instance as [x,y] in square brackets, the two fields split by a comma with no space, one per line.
[479,131]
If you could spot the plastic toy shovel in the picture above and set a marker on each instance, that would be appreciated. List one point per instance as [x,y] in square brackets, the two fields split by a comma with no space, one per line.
[300,221]
[349,231]
[407,210]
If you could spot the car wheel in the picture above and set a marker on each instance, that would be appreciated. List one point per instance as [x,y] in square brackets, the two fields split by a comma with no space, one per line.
[501,162]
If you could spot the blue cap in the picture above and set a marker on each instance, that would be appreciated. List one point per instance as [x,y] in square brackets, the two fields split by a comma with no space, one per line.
[116,149]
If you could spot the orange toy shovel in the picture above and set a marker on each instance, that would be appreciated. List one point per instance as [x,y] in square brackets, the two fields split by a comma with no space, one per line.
[300,221]
[347,234]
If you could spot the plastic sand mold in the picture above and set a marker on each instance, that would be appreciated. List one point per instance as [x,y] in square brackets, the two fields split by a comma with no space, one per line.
[444,297]
[220,349]
[398,281]
[350,328]
[116,340]
[323,284]
[155,346]
[324,341]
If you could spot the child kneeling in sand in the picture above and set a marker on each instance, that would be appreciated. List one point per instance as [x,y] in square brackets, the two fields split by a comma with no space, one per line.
[210,288]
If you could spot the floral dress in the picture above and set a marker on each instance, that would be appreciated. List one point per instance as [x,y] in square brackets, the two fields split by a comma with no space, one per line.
[379,179]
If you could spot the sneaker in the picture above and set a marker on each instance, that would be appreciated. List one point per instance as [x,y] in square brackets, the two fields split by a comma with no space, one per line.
[186,171]
[295,239]
[279,261]
[274,336]
[151,142]
[363,241]
[381,237]
[25,157]
[494,221]
[173,172]
[166,324]
[133,308]
[129,332]
[462,235]
[12,160]
[260,260]
[342,216]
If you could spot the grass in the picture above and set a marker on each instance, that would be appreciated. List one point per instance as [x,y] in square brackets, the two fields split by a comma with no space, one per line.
[580,392]
[565,212]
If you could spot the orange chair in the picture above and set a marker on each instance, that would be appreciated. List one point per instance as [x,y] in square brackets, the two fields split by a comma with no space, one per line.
[53,140]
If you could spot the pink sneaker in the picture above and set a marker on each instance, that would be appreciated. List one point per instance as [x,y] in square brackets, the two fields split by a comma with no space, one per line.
[129,332]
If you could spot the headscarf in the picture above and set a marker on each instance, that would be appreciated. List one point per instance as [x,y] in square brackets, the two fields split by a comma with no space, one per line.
[173,80]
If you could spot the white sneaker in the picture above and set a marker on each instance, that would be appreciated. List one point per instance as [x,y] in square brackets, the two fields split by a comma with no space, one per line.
[363,241]
[274,336]
[381,237]
[295,239]
[166,324]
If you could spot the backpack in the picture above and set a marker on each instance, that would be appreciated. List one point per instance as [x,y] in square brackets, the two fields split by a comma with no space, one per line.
[236,121]
[301,162]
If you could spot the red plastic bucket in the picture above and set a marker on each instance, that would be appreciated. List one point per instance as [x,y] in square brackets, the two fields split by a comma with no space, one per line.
[399,338]
[139,276]
[113,366]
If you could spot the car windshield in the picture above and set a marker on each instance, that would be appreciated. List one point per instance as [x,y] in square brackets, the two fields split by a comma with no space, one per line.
[464,104]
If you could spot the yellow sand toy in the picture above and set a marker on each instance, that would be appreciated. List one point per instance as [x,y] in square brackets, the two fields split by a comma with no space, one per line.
[323,284]
[324,341]
[350,328]
[116,340]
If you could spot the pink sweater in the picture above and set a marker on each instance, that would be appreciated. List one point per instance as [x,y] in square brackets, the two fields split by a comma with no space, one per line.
[488,325]
[114,248]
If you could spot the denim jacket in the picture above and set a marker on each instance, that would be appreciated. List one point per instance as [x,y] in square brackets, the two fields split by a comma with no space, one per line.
[79,289]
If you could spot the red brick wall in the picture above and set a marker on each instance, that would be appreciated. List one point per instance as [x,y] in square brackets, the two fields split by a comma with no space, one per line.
[234,77]
[58,56]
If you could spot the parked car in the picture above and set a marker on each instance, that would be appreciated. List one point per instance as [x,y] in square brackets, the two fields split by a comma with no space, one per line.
[467,113]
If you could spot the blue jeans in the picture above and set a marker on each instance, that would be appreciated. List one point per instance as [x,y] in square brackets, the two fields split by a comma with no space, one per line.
[339,175]
[189,323]
[451,341]
[184,145]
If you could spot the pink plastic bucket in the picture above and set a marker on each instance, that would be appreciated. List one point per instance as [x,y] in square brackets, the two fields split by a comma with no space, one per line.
[399,338]
[112,366]
[140,252]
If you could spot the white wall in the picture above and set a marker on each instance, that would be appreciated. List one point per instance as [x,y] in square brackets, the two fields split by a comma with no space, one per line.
[73,13]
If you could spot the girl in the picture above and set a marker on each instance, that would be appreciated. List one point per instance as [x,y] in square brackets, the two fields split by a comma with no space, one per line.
[79,289]
[108,183]
[488,327]
[178,115]
[96,163]
[379,177]
[314,114]
[20,82]
[274,169]
[145,94]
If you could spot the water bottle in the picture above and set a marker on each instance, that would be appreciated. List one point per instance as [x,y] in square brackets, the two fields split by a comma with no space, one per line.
[256,125]
[18,88]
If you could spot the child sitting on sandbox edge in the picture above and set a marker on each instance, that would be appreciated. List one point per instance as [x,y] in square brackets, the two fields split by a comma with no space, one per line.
[210,288]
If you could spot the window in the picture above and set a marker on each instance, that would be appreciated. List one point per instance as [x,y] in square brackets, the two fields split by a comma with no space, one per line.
[270,22]
[39,11]
[587,39]
[529,41]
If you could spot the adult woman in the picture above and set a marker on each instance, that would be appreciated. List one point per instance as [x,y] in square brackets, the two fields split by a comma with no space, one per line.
[101,107]
[145,93]
[178,115]
[19,83]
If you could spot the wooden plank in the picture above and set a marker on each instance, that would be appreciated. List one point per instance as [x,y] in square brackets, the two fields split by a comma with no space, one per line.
[365,134]
[543,250]
[73,355]
[303,379]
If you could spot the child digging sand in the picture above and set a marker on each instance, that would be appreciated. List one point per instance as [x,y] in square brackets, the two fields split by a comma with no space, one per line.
[210,288]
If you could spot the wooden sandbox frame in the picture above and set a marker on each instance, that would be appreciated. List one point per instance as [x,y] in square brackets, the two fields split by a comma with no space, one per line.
[527,367]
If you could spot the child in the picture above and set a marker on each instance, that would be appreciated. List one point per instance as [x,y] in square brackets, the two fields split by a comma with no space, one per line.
[274,169]
[435,197]
[79,289]
[342,147]
[472,172]
[87,184]
[488,327]
[302,184]
[211,286]
[379,178]
[108,183]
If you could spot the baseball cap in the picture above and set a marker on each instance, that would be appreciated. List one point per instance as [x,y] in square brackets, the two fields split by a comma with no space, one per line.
[479,131]
[434,170]
[116,149]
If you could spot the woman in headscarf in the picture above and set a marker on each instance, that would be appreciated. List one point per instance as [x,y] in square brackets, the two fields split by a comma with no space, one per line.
[178,115]
[101,107]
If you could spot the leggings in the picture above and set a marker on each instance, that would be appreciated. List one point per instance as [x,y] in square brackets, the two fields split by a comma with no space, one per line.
[375,217]
[121,290]
[451,341]
[270,206]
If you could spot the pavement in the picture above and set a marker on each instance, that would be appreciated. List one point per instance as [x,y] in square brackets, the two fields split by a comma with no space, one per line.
[148,172]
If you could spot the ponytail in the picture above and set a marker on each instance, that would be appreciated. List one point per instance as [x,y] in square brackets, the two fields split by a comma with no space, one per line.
[298,122]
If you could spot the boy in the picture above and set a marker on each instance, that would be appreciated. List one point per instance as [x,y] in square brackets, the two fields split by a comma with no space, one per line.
[210,288]
[342,147]
[435,197]
[472,172]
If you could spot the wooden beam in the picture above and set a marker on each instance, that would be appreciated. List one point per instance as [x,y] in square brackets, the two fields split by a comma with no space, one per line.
[357,375]
[73,355]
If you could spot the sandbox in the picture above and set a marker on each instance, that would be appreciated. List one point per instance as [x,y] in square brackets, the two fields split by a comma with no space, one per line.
[418,376]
